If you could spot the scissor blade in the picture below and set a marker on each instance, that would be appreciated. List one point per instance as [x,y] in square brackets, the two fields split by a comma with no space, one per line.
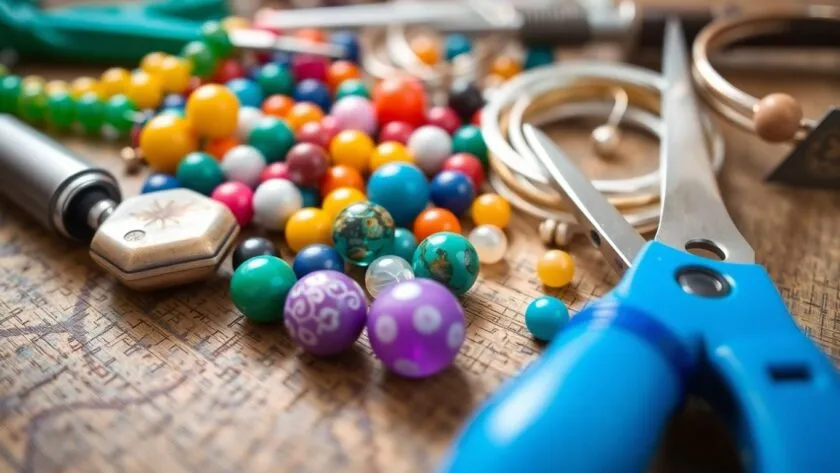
[608,230]
[693,214]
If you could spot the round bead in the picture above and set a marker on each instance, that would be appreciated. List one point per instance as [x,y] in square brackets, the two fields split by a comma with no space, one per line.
[311,90]
[352,88]
[426,49]
[355,113]
[330,127]
[277,105]
[83,85]
[61,110]
[9,93]
[449,259]
[316,258]
[352,148]
[416,328]
[396,131]
[537,56]
[465,98]
[237,197]
[151,62]
[114,81]
[273,138]
[32,104]
[545,317]
[119,113]
[340,199]
[404,244]
[278,170]
[362,232]
[341,71]
[490,243]
[228,70]
[341,176]
[275,200]
[386,271]
[307,164]
[467,164]
[491,209]
[251,248]
[276,79]
[145,90]
[399,99]
[453,191]
[175,74]
[302,113]
[310,197]
[259,288]
[243,164]
[218,147]
[309,66]
[505,67]
[349,42]
[430,147]
[246,91]
[308,226]
[389,152]
[457,44]
[159,182]
[313,132]
[444,118]
[468,139]
[246,119]
[777,118]
[556,268]
[401,189]
[166,139]
[435,220]
[325,312]
[213,111]
[55,86]
[174,101]
[232,23]
[605,140]
[216,37]
[199,172]
[282,58]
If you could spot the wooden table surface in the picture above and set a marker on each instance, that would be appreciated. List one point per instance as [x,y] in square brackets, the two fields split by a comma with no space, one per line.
[95,377]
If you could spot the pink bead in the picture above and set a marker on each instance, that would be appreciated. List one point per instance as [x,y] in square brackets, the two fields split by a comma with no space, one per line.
[330,127]
[305,66]
[355,113]
[313,132]
[443,117]
[396,131]
[278,170]
[239,198]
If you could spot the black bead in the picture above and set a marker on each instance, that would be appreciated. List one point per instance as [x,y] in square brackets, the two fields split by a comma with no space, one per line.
[251,247]
[465,98]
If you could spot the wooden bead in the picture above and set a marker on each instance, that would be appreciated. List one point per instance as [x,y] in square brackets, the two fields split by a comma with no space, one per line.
[777,117]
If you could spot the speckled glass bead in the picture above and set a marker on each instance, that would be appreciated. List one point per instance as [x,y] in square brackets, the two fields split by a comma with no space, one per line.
[352,88]
[325,312]
[251,248]
[90,113]
[490,243]
[556,268]
[200,172]
[119,113]
[362,232]
[259,288]
[402,189]
[201,57]
[404,244]
[276,79]
[273,138]
[386,271]
[416,328]
[430,146]
[449,259]
[247,91]
[244,164]
[453,191]
[468,139]
[246,119]
[237,197]
[308,226]
[82,85]
[61,110]
[307,164]
[215,36]
[159,182]
[316,258]
[311,90]
[355,113]
[275,200]
[545,317]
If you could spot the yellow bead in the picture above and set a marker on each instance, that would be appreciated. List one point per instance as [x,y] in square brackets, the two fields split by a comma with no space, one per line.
[30,81]
[175,74]
[114,81]
[165,140]
[83,85]
[505,67]
[352,148]
[302,113]
[56,86]
[389,152]
[491,209]
[307,227]
[213,111]
[151,62]
[235,22]
[340,199]
[144,90]
[556,268]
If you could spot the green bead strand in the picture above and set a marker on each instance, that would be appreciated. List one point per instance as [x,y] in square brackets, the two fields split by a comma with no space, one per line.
[61,110]
[32,104]
[90,113]
[119,113]
[9,93]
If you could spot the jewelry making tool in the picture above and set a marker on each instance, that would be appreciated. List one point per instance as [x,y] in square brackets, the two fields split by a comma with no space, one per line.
[677,323]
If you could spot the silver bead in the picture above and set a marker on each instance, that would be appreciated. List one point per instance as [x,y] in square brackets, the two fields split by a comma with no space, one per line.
[606,139]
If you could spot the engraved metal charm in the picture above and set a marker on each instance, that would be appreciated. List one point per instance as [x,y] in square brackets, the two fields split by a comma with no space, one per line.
[815,162]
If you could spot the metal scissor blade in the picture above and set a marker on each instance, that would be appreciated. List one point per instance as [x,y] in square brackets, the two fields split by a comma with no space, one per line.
[267,41]
[607,228]
[693,214]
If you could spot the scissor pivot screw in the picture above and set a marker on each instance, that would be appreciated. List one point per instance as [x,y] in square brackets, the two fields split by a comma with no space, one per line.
[703,282]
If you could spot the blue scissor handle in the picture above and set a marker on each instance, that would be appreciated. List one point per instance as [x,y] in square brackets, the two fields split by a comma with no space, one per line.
[599,398]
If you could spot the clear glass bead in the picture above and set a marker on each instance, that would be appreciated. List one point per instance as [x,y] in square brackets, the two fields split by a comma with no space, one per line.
[385,271]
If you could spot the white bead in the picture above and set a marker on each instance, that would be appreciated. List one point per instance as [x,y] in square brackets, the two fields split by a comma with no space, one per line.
[431,146]
[490,243]
[387,270]
[243,163]
[275,200]
[248,118]
[606,139]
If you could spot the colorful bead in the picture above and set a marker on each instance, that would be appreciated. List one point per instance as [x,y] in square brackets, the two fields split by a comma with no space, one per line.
[468,139]
[275,200]
[352,88]
[309,66]
[201,57]
[259,288]
[453,191]
[545,317]
[33,81]
[175,74]
[316,258]
[355,113]
[199,172]
[310,196]
[32,104]
[246,91]
[251,248]
[556,268]
[313,132]
[341,71]
[277,105]
[273,138]
[246,120]
[120,113]
[491,209]
[144,90]
[434,220]
[386,271]
[426,49]
[325,312]
[311,90]
[193,85]
[83,85]
[349,42]
[389,152]
[232,23]
[10,87]
[465,98]
[166,139]
[213,111]
[430,147]
[362,232]
[218,147]
[307,164]
[114,81]
[302,113]
[244,164]
[416,328]
[505,67]
[55,86]
[467,164]
[228,70]
[308,226]
[444,118]
[276,79]
[537,56]
[401,189]
[214,35]
[341,176]
[490,243]
[151,62]
[457,44]
[352,148]
[449,259]
[61,110]
[338,200]
[237,197]
[277,170]
[330,127]
[174,101]
[399,99]
[282,58]
[404,244]
[396,131]
[159,182]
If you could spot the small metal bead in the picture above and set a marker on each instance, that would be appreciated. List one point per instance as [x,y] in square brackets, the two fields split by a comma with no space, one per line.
[554,233]
[133,160]
[605,140]
[777,118]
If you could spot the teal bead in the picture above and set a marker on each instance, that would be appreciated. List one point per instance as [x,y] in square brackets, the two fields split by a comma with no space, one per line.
[276,79]
[32,104]
[61,110]
[352,87]
[538,56]
[214,35]
[468,139]
[202,58]
[273,138]
[259,287]
[9,93]
[449,259]
[363,232]
[200,172]
[405,244]
[120,112]
[545,317]
[90,113]
[457,44]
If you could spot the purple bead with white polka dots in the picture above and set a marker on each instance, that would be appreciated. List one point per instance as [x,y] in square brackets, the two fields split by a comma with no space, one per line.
[325,312]
[416,327]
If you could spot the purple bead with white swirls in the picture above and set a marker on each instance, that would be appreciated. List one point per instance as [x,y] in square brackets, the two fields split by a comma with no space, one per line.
[416,327]
[325,312]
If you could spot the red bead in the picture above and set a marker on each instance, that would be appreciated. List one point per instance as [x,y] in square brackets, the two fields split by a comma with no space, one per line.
[308,66]
[307,164]
[239,198]
[228,69]
[467,164]
[400,99]
[278,170]
[443,117]
[396,131]
[313,132]
[476,118]
[330,127]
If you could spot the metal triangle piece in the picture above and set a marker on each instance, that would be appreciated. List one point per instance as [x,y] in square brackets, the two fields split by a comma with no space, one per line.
[815,162]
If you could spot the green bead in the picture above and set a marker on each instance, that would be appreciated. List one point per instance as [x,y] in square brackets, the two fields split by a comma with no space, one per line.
[32,104]
[276,79]
[449,259]
[468,139]
[4,71]
[61,110]
[201,56]
[119,113]
[214,34]
[90,113]
[200,172]
[273,138]
[9,93]
[259,287]
[352,87]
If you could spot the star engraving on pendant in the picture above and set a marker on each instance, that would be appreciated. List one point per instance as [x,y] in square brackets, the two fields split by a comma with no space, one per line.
[166,214]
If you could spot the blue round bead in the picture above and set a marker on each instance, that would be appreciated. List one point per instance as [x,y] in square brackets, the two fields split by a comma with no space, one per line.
[247,91]
[315,258]
[282,58]
[545,317]
[402,189]
[160,182]
[350,43]
[311,90]
[311,196]
[254,72]
[538,56]
[452,190]
[404,244]
[174,101]
[457,44]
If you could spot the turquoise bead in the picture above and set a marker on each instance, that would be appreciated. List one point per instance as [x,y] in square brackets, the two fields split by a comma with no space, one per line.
[405,244]
[545,317]
[61,110]
[449,259]
[468,139]
[538,56]
[9,93]
[276,79]
[273,138]
[214,35]
[363,232]
[200,172]
[457,44]
[259,287]
[119,113]
[352,87]
[90,113]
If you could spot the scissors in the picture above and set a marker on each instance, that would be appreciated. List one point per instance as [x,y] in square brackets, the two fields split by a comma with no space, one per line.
[599,398]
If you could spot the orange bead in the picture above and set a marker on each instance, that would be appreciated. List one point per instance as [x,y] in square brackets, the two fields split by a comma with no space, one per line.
[217,147]
[340,71]
[400,99]
[341,176]
[151,62]
[435,220]
[213,111]
[505,67]
[389,152]
[311,34]
[302,113]
[426,49]
[277,105]
[165,140]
